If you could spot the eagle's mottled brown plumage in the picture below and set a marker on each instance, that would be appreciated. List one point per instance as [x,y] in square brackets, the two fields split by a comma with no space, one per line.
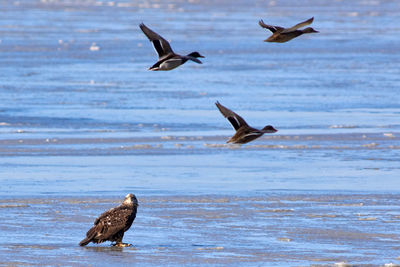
[112,224]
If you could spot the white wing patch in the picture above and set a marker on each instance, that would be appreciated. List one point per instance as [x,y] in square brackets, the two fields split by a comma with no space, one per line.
[161,44]
[237,121]
[254,133]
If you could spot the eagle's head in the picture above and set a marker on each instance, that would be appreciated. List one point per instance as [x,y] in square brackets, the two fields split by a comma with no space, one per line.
[131,199]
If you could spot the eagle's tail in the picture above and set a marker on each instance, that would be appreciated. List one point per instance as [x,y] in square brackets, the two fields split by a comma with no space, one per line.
[89,237]
[84,242]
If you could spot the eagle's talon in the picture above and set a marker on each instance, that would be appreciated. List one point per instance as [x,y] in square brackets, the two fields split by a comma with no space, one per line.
[122,245]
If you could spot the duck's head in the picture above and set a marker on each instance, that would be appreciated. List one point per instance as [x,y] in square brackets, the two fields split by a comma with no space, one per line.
[269,129]
[309,30]
[195,54]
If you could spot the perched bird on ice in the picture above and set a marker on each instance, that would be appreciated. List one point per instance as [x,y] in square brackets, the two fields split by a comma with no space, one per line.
[112,224]
[167,59]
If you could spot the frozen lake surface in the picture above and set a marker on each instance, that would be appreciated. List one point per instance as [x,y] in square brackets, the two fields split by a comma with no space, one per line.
[266,228]
[83,123]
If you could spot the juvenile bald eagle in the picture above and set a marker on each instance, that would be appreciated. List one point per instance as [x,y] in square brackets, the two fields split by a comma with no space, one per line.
[112,224]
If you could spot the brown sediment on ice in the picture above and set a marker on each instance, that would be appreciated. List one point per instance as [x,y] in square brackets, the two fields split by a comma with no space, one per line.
[367,219]
[22,246]
[169,144]
[322,215]
[284,239]
[276,210]
[14,206]
[210,248]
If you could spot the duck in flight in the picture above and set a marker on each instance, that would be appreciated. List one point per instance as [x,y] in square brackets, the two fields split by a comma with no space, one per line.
[282,35]
[244,133]
[167,59]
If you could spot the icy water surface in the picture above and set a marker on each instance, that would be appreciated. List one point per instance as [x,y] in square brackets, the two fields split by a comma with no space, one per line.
[83,123]
[274,228]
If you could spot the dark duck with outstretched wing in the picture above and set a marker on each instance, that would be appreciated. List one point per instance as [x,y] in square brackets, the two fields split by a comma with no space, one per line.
[167,59]
[244,133]
[282,35]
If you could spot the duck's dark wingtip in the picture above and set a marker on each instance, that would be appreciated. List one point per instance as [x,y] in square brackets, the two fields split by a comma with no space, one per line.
[141,25]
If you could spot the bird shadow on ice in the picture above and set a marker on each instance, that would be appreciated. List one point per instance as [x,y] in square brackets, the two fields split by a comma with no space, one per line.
[110,248]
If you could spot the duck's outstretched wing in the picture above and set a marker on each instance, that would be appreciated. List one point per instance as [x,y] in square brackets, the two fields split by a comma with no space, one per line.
[161,45]
[232,117]
[299,25]
[270,27]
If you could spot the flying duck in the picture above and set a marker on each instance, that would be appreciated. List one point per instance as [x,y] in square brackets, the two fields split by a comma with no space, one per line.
[244,133]
[282,35]
[167,59]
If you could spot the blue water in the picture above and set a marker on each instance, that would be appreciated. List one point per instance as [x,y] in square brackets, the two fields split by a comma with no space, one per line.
[80,122]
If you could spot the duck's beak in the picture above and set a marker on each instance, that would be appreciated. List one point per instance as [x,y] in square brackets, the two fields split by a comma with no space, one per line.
[196,60]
